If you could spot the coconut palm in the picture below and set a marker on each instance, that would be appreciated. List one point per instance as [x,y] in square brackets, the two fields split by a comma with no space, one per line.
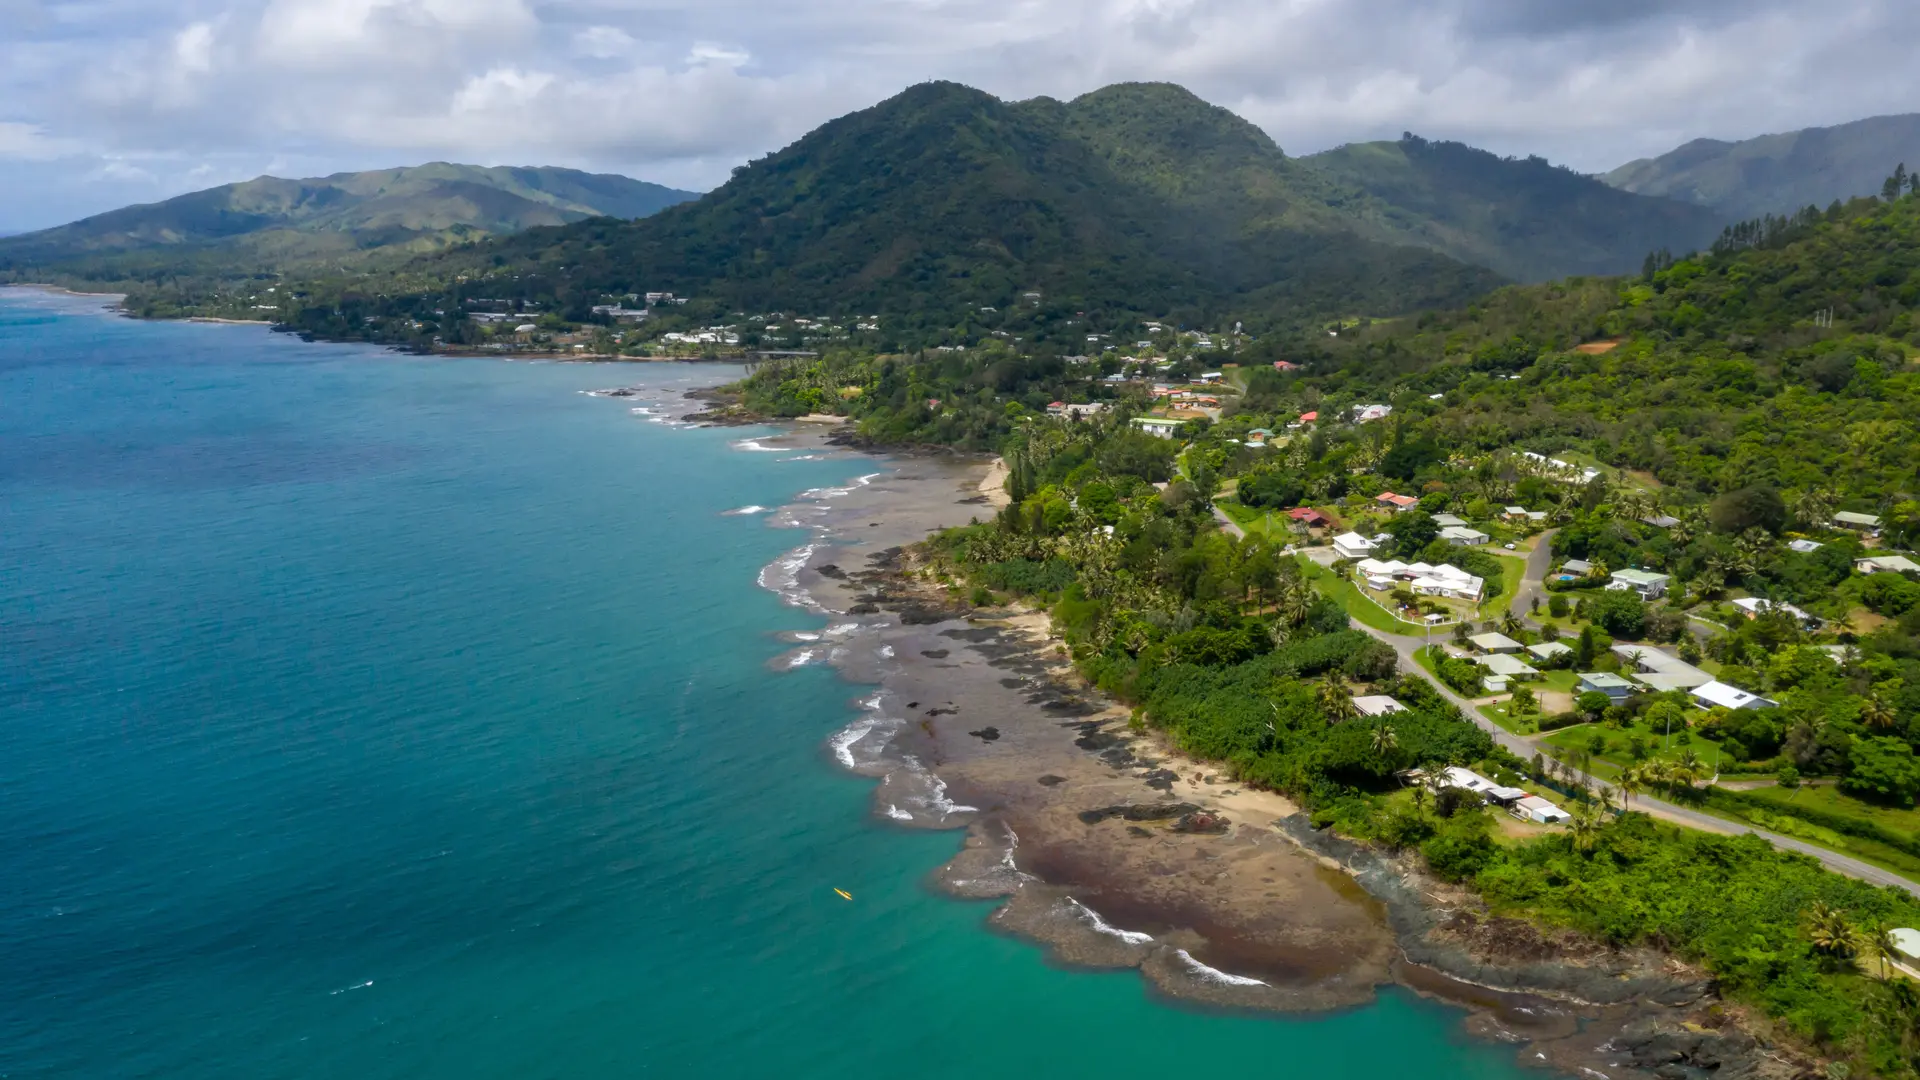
[1604,798]
[1584,826]
[1335,699]
[1384,741]
[1510,623]
[1879,942]
[1688,769]
[1630,783]
[1828,929]
[1876,713]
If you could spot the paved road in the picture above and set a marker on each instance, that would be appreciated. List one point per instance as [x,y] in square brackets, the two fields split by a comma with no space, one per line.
[1537,563]
[1532,585]
[1679,815]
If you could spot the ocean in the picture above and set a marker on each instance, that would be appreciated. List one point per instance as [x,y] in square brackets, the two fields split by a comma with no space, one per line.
[383,716]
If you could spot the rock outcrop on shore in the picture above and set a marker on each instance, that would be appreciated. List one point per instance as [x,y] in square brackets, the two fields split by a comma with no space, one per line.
[1113,852]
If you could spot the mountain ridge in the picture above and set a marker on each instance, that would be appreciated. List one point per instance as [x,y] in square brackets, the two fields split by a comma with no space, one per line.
[1780,172]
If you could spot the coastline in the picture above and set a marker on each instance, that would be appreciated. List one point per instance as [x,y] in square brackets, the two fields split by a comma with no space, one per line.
[1110,851]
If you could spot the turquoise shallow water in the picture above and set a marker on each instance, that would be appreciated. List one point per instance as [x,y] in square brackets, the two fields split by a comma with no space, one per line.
[375,716]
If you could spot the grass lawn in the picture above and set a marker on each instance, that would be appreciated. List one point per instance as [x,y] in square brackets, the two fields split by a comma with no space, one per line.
[1513,570]
[1348,595]
[1829,798]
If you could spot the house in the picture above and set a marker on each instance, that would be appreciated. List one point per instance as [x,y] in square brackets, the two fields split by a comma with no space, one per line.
[1754,605]
[1351,545]
[1847,519]
[1661,521]
[1448,520]
[1445,580]
[1576,567]
[1516,513]
[1616,688]
[1285,365]
[1308,516]
[1366,413]
[1463,536]
[1496,684]
[1158,426]
[1648,584]
[1547,650]
[1509,667]
[1717,693]
[1210,376]
[1906,941]
[1896,564]
[1495,643]
[1377,705]
[1805,547]
[1061,408]
[1398,502]
[1537,810]
[1258,436]
[1660,671]
[1305,419]
[1466,779]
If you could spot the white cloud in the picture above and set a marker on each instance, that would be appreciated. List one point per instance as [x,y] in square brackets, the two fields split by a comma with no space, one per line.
[681,90]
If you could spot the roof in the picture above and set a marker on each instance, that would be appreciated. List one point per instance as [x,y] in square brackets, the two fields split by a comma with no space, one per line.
[1157,421]
[1605,680]
[1849,517]
[1756,605]
[1640,577]
[1662,521]
[1516,509]
[1461,532]
[1804,546]
[1309,417]
[1576,566]
[1444,520]
[1661,682]
[1539,806]
[1377,705]
[1907,940]
[1898,564]
[1467,778]
[1397,500]
[1306,513]
[1719,693]
[1507,665]
[1490,641]
[1547,650]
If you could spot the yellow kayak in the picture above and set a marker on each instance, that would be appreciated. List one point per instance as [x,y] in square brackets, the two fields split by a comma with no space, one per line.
[844,894]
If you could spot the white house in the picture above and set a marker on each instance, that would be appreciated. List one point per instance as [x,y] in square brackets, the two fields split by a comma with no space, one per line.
[1848,519]
[1805,547]
[1509,667]
[1160,426]
[1660,671]
[1898,564]
[1754,605]
[1448,520]
[1538,810]
[1547,650]
[1377,705]
[1495,643]
[1364,413]
[1463,536]
[1717,693]
[1349,545]
[1645,582]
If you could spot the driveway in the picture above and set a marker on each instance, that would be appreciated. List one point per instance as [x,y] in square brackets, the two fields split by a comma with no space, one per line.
[1539,560]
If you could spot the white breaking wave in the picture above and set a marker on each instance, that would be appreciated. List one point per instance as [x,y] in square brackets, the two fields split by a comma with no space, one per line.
[822,493]
[782,577]
[843,740]
[898,814]
[756,444]
[840,630]
[741,510]
[936,797]
[885,652]
[1215,975]
[355,986]
[806,457]
[1131,937]
[797,658]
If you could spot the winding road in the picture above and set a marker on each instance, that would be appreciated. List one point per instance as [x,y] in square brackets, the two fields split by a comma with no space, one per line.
[1532,585]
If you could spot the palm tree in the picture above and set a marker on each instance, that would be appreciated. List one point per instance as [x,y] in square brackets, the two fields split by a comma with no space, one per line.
[1510,623]
[1335,699]
[1584,826]
[1604,798]
[1632,781]
[1828,929]
[1384,740]
[1879,940]
[1688,769]
[1876,713]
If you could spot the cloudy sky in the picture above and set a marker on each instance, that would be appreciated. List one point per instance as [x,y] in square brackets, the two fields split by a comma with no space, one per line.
[105,102]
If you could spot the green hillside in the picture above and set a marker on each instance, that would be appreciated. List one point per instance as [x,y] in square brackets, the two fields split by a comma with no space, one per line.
[1524,218]
[1775,174]
[270,224]
[945,199]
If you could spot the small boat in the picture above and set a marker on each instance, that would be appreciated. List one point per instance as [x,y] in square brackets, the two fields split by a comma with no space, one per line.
[844,894]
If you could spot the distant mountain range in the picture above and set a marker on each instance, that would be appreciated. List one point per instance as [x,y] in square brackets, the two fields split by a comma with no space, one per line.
[1775,174]
[1525,219]
[288,224]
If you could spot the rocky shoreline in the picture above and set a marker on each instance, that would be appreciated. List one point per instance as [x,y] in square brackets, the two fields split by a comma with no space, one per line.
[1111,852]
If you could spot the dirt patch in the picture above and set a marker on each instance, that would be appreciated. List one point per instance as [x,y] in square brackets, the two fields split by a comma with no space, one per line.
[1596,348]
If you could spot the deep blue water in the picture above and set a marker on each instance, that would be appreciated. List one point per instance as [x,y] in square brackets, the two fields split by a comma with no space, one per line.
[374,716]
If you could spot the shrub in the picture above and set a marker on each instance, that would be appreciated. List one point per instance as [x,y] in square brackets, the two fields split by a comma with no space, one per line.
[1558,607]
